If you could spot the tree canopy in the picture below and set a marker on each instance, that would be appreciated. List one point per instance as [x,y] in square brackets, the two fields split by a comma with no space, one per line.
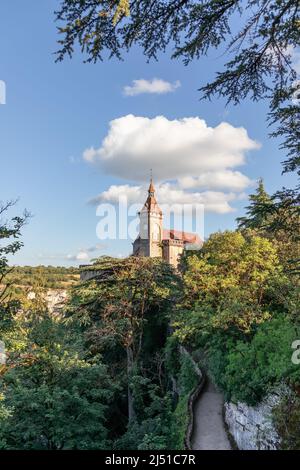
[276,217]
[53,397]
[10,232]
[120,301]
[108,372]
[227,284]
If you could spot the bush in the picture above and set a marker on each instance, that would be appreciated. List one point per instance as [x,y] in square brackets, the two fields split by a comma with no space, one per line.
[286,418]
[247,370]
[187,381]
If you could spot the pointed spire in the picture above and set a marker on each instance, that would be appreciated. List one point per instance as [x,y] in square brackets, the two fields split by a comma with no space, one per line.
[151,189]
[151,203]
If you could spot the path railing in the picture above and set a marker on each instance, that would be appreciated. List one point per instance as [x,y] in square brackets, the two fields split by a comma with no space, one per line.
[192,399]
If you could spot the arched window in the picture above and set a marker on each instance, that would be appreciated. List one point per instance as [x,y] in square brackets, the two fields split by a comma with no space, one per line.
[156,233]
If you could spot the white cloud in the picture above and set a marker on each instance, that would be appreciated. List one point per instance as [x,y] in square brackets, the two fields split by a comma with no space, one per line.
[213,201]
[114,192]
[173,148]
[168,193]
[225,179]
[156,85]
[84,254]
[191,161]
[80,256]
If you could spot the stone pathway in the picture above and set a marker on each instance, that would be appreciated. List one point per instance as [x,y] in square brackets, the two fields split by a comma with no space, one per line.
[209,429]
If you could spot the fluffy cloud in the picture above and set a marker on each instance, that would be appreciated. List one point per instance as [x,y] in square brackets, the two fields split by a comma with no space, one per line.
[191,161]
[114,192]
[156,85]
[85,253]
[169,194]
[226,180]
[173,149]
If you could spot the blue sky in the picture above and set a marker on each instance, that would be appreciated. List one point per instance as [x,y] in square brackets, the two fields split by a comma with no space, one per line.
[55,111]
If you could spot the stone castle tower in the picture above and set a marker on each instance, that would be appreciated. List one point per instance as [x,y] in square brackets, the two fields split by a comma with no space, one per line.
[153,240]
[149,242]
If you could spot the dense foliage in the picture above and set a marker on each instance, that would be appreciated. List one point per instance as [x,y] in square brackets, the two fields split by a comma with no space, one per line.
[229,285]
[54,397]
[124,314]
[277,218]
[240,308]
[287,420]
[109,372]
[246,370]
[10,231]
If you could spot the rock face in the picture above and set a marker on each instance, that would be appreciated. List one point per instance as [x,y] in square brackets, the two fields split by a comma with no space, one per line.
[87,275]
[55,299]
[251,426]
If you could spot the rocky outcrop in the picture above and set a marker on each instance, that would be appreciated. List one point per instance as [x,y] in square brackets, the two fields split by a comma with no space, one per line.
[55,299]
[251,426]
[86,275]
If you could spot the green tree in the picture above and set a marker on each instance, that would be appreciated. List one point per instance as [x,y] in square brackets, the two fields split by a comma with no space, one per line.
[227,284]
[122,298]
[10,232]
[286,417]
[54,398]
[276,217]
[151,428]
[259,210]
[248,369]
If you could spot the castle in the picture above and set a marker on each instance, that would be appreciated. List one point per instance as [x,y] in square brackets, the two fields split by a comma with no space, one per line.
[155,241]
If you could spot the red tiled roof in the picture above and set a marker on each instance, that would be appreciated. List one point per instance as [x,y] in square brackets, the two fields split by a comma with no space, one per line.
[151,205]
[151,187]
[186,237]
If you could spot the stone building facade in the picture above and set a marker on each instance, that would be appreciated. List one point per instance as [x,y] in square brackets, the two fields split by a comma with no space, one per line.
[153,240]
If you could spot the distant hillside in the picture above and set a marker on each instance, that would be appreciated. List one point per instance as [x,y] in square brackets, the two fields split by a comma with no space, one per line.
[48,277]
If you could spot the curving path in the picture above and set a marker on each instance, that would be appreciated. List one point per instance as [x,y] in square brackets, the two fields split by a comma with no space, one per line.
[209,430]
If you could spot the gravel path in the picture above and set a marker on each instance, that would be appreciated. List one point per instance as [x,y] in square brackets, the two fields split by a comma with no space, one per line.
[209,429]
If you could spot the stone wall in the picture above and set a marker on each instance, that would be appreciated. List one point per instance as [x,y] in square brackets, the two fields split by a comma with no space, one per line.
[192,400]
[86,275]
[55,299]
[251,426]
